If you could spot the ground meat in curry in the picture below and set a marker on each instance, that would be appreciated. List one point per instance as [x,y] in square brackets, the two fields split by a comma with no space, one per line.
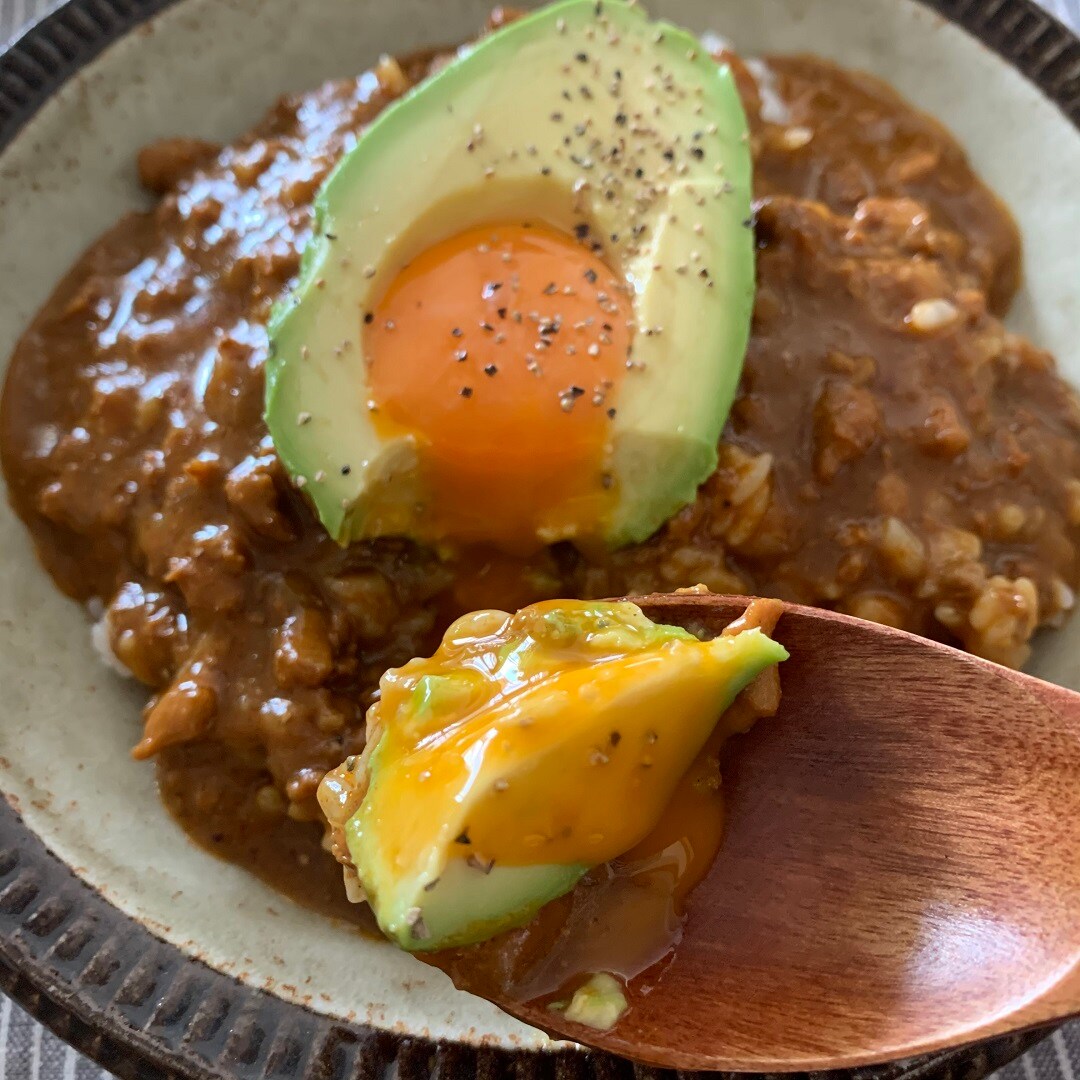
[894,452]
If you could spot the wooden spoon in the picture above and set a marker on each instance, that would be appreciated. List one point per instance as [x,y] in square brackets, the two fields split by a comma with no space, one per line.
[901,867]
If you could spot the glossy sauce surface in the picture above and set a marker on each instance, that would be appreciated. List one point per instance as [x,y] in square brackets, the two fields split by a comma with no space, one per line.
[890,455]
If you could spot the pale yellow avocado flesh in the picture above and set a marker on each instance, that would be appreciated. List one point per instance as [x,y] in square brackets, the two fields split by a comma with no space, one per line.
[528,749]
[644,91]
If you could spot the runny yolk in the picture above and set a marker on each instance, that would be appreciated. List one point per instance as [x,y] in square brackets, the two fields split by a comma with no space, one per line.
[625,917]
[501,349]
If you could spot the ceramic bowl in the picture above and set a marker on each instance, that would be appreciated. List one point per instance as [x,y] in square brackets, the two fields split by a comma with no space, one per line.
[139,947]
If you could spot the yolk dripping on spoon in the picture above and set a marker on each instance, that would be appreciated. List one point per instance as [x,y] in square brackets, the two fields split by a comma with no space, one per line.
[501,350]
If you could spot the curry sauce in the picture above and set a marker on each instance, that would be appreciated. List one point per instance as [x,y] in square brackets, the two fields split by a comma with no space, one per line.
[894,452]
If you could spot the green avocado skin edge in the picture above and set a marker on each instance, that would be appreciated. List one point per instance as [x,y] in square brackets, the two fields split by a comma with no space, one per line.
[380,205]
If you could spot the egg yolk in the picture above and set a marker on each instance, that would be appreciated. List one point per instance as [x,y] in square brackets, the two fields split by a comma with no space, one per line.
[501,350]
[501,691]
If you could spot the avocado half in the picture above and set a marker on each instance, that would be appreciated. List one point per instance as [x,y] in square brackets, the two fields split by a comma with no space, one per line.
[667,187]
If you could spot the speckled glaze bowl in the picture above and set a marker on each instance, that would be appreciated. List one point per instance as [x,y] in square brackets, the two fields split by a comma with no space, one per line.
[145,952]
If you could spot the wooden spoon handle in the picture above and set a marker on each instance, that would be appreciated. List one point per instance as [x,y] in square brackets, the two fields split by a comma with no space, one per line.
[1061,1000]
[1064,702]
[996,771]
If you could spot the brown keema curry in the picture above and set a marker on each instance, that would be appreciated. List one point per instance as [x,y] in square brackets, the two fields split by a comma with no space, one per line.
[893,452]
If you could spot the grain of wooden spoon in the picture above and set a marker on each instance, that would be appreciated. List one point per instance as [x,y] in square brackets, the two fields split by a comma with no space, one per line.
[901,867]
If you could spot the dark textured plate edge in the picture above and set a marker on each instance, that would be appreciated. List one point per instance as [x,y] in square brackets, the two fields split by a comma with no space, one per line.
[1030,38]
[140,1007]
[146,1011]
[47,53]
[44,55]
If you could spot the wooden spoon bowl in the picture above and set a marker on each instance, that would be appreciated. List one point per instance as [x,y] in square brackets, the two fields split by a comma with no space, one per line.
[901,867]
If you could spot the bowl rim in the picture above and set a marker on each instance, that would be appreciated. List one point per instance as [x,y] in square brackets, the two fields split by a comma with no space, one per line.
[142,1008]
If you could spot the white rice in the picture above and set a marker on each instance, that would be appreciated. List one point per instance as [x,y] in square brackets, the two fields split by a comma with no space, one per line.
[102,641]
